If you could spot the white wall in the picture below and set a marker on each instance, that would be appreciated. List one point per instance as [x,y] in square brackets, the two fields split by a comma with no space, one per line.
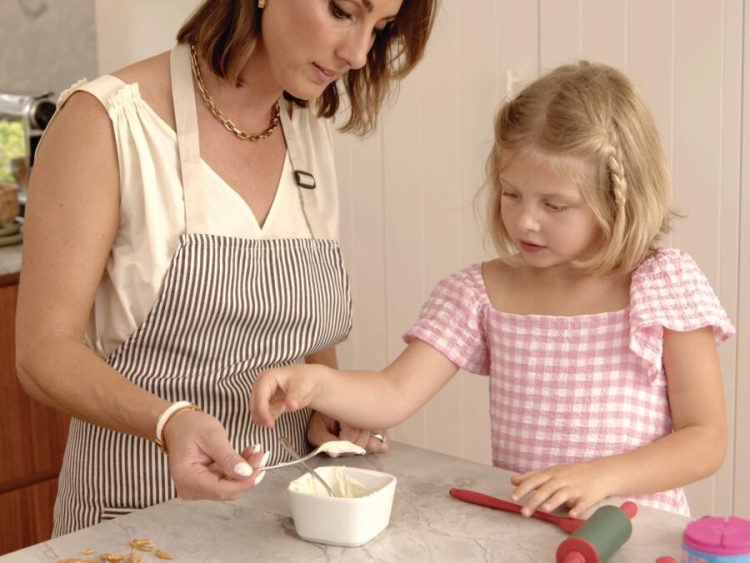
[46,45]
[742,395]
[131,30]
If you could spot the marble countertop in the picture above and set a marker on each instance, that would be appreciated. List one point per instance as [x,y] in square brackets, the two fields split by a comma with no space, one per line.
[10,259]
[426,523]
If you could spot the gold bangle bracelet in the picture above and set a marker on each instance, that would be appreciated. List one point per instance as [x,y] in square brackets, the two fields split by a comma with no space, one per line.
[160,441]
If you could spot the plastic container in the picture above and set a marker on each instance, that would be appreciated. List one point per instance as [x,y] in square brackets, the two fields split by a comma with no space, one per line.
[342,521]
[717,540]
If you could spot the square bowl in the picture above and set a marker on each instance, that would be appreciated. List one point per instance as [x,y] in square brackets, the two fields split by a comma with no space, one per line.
[342,521]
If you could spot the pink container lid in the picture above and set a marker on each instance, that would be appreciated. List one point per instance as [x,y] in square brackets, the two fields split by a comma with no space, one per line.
[719,536]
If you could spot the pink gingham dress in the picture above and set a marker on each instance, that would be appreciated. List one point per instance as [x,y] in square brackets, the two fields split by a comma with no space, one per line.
[570,389]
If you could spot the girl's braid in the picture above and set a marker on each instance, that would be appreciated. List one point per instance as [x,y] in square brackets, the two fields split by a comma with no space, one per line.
[617,173]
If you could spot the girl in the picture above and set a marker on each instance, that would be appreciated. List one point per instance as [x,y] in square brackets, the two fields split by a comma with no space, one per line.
[600,347]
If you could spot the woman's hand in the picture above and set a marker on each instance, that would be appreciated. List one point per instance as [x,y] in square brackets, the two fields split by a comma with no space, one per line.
[323,428]
[579,486]
[364,438]
[202,462]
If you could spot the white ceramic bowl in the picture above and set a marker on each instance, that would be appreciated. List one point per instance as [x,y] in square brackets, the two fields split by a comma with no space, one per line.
[342,521]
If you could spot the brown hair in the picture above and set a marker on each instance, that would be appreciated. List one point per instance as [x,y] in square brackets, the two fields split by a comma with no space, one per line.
[589,112]
[225,33]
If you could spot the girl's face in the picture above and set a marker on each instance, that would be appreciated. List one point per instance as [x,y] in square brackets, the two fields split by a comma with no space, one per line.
[311,43]
[544,211]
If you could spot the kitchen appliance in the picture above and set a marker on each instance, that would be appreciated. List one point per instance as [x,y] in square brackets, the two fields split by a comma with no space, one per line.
[23,119]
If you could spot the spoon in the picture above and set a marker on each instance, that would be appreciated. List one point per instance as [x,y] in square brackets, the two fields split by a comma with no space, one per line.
[332,447]
[301,460]
[565,523]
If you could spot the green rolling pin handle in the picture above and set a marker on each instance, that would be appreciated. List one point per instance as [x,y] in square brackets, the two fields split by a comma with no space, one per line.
[600,537]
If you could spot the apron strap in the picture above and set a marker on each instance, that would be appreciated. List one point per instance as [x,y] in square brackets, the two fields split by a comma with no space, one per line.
[303,178]
[186,124]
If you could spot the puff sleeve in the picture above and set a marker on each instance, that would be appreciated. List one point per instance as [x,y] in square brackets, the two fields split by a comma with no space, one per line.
[451,321]
[670,291]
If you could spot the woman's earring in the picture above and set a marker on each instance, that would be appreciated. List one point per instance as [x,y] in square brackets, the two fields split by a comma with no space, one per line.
[261,4]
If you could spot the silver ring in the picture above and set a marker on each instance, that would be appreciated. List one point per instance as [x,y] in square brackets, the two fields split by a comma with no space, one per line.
[378,436]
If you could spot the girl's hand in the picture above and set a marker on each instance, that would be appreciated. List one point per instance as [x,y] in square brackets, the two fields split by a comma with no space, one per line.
[323,428]
[283,389]
[578,486]
[202,462]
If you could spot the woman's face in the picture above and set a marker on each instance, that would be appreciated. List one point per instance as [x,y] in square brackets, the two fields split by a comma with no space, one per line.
[311,43]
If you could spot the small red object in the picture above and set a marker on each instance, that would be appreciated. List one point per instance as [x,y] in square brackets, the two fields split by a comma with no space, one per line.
[575,557]
[666,559]
[577,550]
[565,523]
[629,508]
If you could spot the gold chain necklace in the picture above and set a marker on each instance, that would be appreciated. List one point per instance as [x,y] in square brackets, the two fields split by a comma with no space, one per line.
[244,135]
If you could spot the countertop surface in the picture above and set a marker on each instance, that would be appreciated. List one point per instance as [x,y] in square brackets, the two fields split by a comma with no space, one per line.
[10,259]
[426,523]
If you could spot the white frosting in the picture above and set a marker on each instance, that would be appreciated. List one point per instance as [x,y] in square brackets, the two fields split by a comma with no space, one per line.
[338,447]
[342,484]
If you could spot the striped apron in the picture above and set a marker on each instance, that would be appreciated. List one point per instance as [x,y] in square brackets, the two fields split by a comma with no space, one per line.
[229,308]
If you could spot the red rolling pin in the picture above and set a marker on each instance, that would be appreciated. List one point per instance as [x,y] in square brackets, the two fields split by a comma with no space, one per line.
[600,537]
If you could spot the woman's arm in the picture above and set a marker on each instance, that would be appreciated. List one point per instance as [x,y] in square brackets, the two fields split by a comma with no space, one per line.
[360,398]
[71,223]
[72,220]
[326,357]
[693,451]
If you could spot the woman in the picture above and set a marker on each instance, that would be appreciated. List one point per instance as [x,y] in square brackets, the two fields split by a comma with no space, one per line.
[182,222]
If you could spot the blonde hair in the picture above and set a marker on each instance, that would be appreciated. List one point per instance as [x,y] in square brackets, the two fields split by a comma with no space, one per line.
[225,33]
[592,112]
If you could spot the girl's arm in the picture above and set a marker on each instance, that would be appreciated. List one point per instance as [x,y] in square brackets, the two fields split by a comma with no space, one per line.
[694,450]
[71,223]
[361,398]
[322,428]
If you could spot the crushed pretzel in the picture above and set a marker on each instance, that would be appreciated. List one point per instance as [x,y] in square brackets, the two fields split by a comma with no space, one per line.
[143,541]
[145,544]
[142,545]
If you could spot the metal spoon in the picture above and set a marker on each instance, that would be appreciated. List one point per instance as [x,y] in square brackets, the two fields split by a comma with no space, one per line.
[332,447]
[301,460]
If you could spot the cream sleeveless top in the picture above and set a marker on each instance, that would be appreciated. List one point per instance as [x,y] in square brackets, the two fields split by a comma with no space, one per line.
[152,214]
